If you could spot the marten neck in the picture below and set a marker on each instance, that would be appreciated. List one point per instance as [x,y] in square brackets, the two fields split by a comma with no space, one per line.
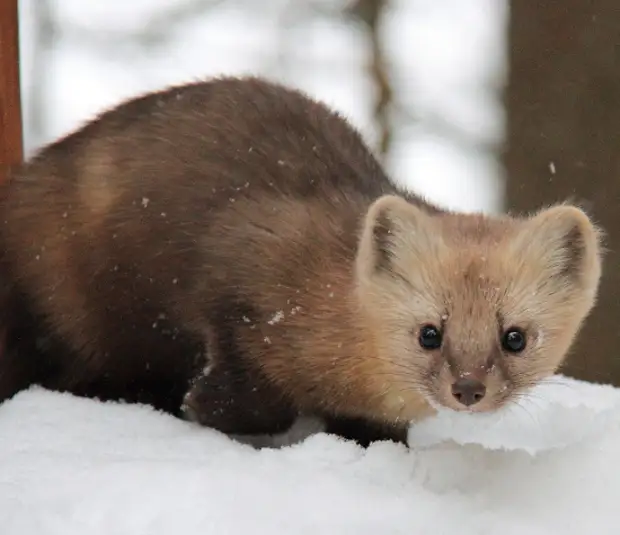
[338,359]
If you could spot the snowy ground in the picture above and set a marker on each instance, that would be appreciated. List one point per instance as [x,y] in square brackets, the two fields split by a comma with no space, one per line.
[73,467]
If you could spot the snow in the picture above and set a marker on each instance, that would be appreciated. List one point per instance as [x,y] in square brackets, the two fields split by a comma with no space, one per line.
[74,466]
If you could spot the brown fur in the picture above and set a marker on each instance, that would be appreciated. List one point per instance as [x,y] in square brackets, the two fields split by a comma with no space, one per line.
[240,228]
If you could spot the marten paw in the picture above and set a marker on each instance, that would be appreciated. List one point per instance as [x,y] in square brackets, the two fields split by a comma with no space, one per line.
[235,402]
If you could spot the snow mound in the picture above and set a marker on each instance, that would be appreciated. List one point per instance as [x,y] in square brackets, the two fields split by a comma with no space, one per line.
[75,466]
[557,413]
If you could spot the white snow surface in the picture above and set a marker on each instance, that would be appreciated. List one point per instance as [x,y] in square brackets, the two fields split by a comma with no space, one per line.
[75,466]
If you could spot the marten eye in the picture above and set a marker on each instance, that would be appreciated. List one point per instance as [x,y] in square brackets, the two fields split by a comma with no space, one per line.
[513,340]
[430,337]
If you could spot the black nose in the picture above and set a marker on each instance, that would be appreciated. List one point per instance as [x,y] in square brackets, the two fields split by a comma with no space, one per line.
[468,391]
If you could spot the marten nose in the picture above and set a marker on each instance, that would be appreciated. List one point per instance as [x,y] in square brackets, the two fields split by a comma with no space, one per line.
[468,391]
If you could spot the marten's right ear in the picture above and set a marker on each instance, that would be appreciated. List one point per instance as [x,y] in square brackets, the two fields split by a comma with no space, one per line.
[395,234]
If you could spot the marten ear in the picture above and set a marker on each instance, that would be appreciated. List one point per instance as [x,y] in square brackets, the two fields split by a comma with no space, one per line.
[394,231]
[567,243]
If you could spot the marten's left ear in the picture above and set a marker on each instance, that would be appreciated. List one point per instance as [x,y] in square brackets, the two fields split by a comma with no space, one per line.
[395,232]
[566,242]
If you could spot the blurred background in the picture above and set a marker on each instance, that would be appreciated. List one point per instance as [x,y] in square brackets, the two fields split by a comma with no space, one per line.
[479,105]
[418,77]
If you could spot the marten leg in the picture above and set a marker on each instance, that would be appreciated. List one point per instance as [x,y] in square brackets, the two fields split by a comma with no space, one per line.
[236,400]
[15,369]
[231,394]
[21,362]
[363,431]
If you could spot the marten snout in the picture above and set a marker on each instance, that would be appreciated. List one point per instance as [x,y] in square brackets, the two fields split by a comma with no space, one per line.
[468,391]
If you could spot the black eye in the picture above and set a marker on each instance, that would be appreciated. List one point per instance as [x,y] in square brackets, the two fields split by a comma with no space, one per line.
[513,340]
[430,337]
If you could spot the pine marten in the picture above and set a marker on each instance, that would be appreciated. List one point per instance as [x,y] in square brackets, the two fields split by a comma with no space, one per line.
[230,251]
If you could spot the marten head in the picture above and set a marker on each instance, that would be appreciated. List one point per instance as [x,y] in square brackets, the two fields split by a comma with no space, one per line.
[472,310]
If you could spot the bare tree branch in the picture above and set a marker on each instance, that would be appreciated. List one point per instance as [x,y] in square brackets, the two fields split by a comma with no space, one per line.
[370,13]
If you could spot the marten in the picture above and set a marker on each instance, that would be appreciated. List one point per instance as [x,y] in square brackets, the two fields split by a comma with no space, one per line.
[231,251]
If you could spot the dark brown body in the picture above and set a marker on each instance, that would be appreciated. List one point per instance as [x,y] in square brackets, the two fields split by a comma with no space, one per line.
[169,234]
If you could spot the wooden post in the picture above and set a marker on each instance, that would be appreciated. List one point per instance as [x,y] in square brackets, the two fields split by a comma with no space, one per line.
[11,143]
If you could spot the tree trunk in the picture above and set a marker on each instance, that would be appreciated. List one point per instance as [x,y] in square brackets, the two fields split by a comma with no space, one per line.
[563,141]
[11,151]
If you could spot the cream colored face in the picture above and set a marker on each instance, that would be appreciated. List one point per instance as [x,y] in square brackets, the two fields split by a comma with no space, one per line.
[471,311]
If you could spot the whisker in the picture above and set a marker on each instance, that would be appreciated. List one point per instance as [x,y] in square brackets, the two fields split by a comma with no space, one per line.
[523,408]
